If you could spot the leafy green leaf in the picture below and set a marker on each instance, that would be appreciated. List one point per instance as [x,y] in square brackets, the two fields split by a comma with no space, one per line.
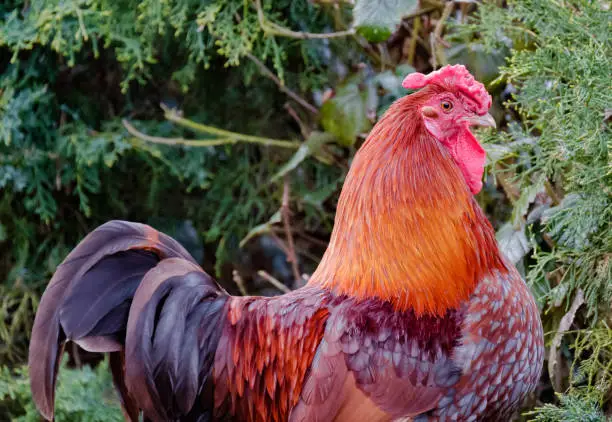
[346,114]
[376,19]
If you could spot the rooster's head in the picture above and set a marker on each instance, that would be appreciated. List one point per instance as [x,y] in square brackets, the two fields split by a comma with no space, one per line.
[454,103]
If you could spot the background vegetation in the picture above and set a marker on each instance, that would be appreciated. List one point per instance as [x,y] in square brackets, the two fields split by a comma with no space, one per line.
[230,124]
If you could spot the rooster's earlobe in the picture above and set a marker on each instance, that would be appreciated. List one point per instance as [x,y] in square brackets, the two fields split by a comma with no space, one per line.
[430,112]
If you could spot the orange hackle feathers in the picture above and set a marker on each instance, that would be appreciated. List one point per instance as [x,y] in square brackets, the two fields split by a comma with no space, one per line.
[407,229]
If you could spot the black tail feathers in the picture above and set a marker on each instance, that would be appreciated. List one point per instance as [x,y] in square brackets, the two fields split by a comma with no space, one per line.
[137,293]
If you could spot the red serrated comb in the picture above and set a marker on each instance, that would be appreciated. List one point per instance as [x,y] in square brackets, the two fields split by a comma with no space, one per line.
[455,77]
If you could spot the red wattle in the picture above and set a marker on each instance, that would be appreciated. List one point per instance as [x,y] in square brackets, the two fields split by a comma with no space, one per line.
[470,157]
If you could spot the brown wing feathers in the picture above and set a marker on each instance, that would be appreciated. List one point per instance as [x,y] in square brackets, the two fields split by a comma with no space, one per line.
[88,298]
[265,352]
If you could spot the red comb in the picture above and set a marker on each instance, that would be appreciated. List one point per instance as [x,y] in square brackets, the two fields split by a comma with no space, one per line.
[453,77]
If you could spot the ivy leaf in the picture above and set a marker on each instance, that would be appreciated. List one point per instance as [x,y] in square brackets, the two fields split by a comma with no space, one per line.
[312,146]
[346,114]
[376,19]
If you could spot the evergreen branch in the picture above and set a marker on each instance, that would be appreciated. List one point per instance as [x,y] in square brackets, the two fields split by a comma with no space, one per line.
[206,142]
[269,74]
[273,29]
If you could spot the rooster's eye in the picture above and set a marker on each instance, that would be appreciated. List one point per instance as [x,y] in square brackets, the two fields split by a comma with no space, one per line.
[447,106]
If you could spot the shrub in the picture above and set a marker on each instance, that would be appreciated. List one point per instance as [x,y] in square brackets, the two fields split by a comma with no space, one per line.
[268,99]
[83,395]
[554,162]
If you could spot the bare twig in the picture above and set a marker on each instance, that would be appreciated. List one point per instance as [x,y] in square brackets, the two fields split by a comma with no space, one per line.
[511,190]
[307,237]
[550,190]
[303,128]
[422,12]
[285,213]
[555,354]
[280,286]
[384,55]
[368,49]
[239,282]
[437,34]
[308,255]
[416,27]
[281,244]
[269,74]
[448,8]
[334,2]
[175,141]
[225,137]
[274,29]
[549,241]
[173,116]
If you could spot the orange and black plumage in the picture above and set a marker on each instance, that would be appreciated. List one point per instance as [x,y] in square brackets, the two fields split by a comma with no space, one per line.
[412,313]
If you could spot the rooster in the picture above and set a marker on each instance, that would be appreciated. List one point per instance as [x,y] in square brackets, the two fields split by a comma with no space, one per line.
[412,314]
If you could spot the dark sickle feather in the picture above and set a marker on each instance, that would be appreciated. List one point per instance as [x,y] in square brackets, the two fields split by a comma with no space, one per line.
[48,334]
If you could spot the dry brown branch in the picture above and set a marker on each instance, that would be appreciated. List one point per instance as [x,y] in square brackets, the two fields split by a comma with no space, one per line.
[552,193]
[270,75]
[276,283]
[436,36]
[416,27]
[554,356]
[239,282]
[225,136]
[274,29]
[504,177]
[285,213]
[304,130]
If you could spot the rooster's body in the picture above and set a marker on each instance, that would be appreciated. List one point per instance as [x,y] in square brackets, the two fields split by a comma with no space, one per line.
[413,312]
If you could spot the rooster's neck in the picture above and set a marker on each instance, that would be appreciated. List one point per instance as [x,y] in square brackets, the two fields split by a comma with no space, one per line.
[407,229]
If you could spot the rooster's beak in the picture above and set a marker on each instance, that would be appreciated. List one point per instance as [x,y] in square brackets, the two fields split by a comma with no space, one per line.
[485,121]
